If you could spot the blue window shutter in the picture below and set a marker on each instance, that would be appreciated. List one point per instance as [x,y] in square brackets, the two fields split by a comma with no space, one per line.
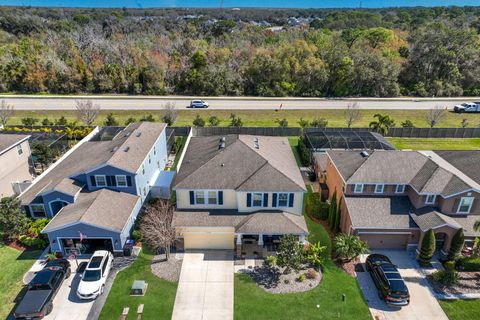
[129,181]
[274,200]
[290,199]
[249,199]
[109,181]
[192,197]
[92,181]
[114,181]
[220,197]
[265,199]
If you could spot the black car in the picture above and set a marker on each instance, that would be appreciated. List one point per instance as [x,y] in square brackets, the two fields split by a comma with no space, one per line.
[388,280]
[38,300]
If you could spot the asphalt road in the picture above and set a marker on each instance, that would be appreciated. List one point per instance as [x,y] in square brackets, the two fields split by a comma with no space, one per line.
[156,103]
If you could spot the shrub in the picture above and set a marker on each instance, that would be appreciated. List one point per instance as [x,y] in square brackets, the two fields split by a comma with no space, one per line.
[33,237]
[271,261]
[304,152]
[446,277]
[290,253]
[314,206]
[348,247]
[456,246]
[152,200]
[449,265]
[301,277]
[469,264]
[34,242]
[311,274]
[137,236]
[315,254]
[427,248]
[198,121]
[213,121]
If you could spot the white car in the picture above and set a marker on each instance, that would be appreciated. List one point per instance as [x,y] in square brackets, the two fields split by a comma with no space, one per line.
[198,104]
[93,279]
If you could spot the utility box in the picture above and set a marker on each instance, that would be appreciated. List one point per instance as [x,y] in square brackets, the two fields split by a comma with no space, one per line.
[139,288]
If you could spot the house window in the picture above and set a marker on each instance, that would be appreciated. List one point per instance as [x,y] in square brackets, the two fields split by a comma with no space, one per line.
[430,199]
[257,199]
[121,181]
[358,188]
[154,151]
[19,149]
[38,210]
[283,199]
[149,159]
[144,191]
[143,169]
[400,188]
[465,205]
[199,197]
[212,197]
[101,181]
[379,188]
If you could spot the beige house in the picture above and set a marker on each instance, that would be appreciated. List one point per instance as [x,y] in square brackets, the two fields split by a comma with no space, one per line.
[391,198]
[14,163]
[238,191]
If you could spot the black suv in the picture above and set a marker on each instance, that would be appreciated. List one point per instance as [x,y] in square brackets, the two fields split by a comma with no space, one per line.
[38,300]
[388,280]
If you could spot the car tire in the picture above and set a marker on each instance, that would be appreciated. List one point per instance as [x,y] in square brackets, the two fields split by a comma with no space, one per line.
[69,272]
[49,308]
[102,289]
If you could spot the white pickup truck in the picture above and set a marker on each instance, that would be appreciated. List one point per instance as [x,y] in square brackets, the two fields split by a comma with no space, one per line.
[467,107]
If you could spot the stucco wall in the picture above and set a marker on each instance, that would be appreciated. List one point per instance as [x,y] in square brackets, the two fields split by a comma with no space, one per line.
[450,205]
[14,168]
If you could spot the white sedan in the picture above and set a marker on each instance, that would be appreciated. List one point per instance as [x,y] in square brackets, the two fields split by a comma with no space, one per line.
[198,104]
[93,279]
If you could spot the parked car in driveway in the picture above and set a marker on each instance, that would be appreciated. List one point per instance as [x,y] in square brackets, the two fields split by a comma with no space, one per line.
[467,107]
[92,283]
[38,300]
[198,104]
[391,287]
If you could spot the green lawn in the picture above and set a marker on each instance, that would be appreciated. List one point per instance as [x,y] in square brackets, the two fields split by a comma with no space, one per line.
[294,143]
[436,143]
[461,309]
[262,118]
[13,264]
[158,300]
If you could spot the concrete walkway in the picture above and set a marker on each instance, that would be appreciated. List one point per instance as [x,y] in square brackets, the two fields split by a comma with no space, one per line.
[205,288]
[423,304]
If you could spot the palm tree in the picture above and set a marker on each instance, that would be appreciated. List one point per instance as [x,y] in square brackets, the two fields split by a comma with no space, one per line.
[383,124]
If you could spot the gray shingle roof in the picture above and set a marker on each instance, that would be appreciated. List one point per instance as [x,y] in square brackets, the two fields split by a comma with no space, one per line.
[347,162]
[268,222]
[466,161]
[102,208]
[239,166]
[431,219]
[467,223]
[9,140]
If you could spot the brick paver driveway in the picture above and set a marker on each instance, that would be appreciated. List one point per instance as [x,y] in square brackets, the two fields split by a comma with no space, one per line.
[205,288]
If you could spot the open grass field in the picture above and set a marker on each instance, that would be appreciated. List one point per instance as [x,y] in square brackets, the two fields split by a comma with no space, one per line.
[13,264]
[461,309]
[436,143]
[158,299]
[264,118]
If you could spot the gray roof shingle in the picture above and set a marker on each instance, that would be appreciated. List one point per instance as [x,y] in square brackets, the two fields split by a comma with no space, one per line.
[431,219]
[466,161]
[7,140]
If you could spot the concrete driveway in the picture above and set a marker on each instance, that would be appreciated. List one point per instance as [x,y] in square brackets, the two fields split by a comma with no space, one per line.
[423,305]
[205,287]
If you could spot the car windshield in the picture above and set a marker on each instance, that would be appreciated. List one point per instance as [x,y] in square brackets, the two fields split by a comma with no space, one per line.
[91,275]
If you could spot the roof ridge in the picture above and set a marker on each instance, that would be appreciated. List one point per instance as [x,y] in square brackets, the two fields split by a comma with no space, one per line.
[363,163]
[253,173]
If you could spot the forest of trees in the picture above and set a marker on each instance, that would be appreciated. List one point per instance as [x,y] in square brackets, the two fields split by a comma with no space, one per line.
[381,53]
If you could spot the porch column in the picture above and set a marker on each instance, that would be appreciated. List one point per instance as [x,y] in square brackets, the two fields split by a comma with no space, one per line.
[302,239]
[239,245]
[260,240]
[239,239]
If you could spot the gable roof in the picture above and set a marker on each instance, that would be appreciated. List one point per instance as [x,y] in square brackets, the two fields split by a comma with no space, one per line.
[8,141]
[239,166]
[103,208]
[467,162]
[433,219]
[347,162]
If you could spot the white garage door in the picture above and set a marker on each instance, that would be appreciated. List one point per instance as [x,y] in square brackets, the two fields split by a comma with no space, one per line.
[385,241]
[217,239]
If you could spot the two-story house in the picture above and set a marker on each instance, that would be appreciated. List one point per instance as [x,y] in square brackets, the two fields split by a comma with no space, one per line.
[238,191]
[391,198]
[94,193]
[14,162]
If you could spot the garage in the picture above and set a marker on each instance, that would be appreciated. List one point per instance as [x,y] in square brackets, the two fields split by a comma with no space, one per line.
[86,246]
[208,238]
[385,240]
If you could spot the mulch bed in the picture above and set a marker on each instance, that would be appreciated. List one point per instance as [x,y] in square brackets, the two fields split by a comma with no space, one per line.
[274,281]
[351,267]
[167,269]
[16,245]
[469,282]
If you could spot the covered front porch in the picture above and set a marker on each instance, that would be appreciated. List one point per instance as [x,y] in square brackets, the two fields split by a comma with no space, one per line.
[259,245]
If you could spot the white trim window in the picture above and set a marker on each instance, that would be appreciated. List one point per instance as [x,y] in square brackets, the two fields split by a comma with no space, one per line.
[358,188]
[121,181]
[19,149]
[465,204]
[38,210]
[400,188]
[379,188]
[430,199]
[100,180]
[282,200]
[199,197]
[257,199]
[206,197]
[212,197]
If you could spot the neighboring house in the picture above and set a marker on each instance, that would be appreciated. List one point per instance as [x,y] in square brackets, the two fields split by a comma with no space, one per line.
[391,198]
[95,191]
[14,163]
[238,191]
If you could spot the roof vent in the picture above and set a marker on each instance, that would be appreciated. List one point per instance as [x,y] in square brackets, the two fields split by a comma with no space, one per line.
[115,149]
[126,149]
[256,145]
[221,145]
[127,134]
[138,134]
[255,139]
[364,154]
[222,139]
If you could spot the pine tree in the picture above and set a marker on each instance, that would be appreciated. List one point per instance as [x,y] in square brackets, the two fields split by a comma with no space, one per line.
[457,244]
[333,210]
[338,216]
[427,248]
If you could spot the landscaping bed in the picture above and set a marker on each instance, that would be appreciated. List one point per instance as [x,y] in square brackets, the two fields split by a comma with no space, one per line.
[274,280]
[167,269]
[468,282]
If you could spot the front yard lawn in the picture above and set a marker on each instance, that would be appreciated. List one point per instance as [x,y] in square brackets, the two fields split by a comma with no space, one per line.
[158,300]
[14,264]
[461,309]
[436,143]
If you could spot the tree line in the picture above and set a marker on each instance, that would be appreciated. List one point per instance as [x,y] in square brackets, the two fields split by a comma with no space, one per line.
[325,53]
